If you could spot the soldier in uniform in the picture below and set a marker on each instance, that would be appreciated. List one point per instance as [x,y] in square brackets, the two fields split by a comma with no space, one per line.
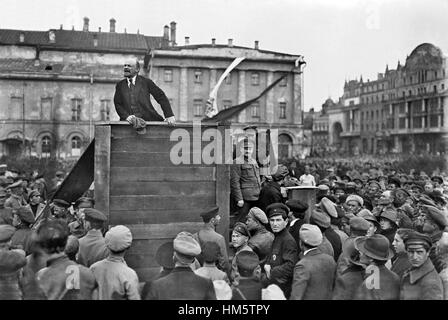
[116,281]
[23,218]
[260,238]
[182,283]
[16,200]
[284,254]
[207,233]
[35,203]
[92,247]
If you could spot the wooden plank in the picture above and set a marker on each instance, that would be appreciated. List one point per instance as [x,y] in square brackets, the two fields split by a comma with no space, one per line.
[102,168]
[162,231]
[180,188]
[157,159]
[150,144]
[184,173]
[161,202]
[153,216]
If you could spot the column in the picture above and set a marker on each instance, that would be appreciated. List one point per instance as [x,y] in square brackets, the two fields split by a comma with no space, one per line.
[242,94]
[397,144]
[297,98]
[270,103]
[439,116]
[183,94]
[424,116]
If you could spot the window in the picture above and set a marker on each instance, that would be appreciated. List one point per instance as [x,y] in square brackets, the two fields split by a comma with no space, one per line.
[198,76]
[46,105]
[226,104]
[443,86]
[168,75]
[352,103]
[255,110]
[435,75]
[46,147]
[105,110]
[282,107]
[76,109]
[402,123]
[76,146]
[16,108]
[255,77]
[198,108]
[284,82]
[410,93]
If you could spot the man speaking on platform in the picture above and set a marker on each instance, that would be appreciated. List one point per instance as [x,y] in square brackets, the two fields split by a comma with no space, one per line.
[132,99]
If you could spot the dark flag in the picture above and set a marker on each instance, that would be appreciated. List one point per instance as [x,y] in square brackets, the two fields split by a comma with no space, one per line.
[230,112]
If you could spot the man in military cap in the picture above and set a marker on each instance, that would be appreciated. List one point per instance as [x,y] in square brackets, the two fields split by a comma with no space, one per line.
[182,283]
[438,182]
[35,203]
[271,190]
[59,210]
[240,237]
[297,210]
[11,262]
[55,280]
[421,281]
[92,247]
[16,200]
[260,238]
[249,286]
[116,281]
[245,183]
[23,218]
[284,253]
[314,273]
[77,226]
[208,233]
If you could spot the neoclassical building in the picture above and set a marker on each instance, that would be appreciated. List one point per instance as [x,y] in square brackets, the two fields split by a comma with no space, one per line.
[404,110]
[54,85]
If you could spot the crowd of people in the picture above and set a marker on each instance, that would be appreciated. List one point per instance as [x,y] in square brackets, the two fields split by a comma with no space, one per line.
[372,233]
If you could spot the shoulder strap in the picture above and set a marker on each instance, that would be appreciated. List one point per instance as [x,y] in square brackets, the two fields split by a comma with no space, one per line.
[240,293]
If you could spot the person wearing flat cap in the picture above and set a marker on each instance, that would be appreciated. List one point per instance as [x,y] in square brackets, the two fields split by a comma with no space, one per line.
[421,281]
[297,210]
[207,233]
[240,238]
[389,223]
[284,252]
[271,190]
[11,262]
[77,226]
[358,228]
[354,204]
[260,238]
[393,183]
[56,280]
[22,219]
[314,273]
[380,282]
[92,247]
[329,208]
[210,254]
[245,181]
[116,281]
[182,283]
[16,200]
[249,286]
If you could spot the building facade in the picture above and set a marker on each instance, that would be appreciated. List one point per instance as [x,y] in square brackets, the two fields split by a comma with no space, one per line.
[55,85]
[402,111]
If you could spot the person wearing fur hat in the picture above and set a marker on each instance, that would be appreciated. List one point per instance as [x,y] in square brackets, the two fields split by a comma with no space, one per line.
[11,262]
[182,283]
[116,281]
[314,273]
[354,204]
[22,219]
[260,238]
[380,282]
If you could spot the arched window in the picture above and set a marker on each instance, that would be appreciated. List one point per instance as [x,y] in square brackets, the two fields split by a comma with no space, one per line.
[46,147]
[76,146]
[284,146]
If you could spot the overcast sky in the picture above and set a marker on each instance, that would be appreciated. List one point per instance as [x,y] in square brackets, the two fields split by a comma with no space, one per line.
[340,39]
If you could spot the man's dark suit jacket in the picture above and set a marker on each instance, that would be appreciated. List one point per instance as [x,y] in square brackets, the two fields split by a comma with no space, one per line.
[144,88]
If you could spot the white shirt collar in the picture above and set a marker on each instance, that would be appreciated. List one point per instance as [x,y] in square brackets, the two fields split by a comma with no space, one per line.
[133,80]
